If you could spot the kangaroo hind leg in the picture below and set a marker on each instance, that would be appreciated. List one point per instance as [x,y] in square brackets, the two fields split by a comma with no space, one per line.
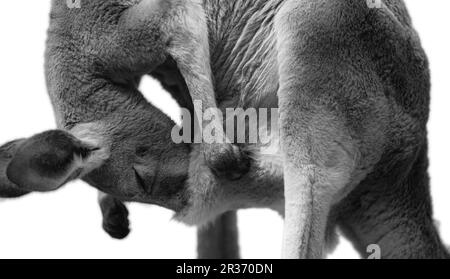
[394,216]
[325,99]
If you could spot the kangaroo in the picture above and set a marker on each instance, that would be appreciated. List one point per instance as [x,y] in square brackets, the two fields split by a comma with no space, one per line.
[201,196]
[351,82]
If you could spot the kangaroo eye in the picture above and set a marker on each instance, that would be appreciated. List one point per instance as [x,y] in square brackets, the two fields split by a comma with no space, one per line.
[142,151]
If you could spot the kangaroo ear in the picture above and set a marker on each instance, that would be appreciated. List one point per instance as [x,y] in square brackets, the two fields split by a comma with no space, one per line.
[7,152]
[47,161]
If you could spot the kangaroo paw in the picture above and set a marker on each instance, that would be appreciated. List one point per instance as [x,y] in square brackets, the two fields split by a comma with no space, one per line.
[227,161]
[115,217]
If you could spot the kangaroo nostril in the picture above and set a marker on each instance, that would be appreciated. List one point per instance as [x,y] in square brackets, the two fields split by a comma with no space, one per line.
[142,151]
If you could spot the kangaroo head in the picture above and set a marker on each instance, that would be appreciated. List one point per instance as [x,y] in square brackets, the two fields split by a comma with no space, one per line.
[143,164]
[134,160]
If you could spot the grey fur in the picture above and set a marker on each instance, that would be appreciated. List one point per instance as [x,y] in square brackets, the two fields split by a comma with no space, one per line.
[219,240]
[352,86]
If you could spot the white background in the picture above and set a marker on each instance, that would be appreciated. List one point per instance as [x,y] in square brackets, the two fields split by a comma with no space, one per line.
[67,224]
